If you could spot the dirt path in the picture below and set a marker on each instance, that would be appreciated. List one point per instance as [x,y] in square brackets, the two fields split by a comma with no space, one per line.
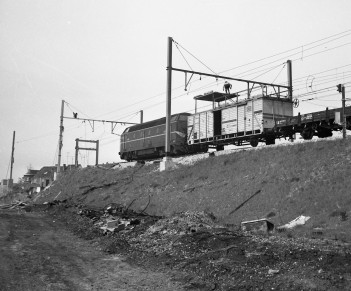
[38,253]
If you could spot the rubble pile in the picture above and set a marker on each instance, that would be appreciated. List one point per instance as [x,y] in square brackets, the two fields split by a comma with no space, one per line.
[162,236]
[14,205]
[114,218]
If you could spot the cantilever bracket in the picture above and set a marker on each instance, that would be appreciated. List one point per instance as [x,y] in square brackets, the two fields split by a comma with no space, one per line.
[91,125]
[187,82]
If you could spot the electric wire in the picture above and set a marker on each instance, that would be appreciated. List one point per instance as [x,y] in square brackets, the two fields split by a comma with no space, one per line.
[342,34]
[348,32]
[176,44]
[195,58]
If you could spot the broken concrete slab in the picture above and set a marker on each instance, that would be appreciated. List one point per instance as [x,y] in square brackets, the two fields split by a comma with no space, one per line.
[112,223]
[258,225]
[300,220]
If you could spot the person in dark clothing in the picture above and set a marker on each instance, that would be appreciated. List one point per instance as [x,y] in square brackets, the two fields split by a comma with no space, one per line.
[227,86]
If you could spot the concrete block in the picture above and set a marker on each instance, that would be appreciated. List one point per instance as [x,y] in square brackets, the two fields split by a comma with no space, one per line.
[166,164]
[259,225]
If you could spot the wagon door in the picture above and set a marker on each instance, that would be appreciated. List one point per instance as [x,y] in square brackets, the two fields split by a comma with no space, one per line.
[217,120]
[241,119]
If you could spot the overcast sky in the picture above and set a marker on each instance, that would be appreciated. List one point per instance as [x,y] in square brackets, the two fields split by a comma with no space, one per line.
[107,60]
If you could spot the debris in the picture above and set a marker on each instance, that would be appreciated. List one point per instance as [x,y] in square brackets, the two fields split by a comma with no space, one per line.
[272,272]
[317,231]
[59,193]
[242,204]
[13,205]
[112,223]
[258,225]
[301,220]
[114,208]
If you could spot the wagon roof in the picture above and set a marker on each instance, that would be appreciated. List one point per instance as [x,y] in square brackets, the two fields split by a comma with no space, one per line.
[215,96]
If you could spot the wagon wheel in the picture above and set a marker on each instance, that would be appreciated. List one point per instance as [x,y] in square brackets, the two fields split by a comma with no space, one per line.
[254,142]
[307,133]
[219,147]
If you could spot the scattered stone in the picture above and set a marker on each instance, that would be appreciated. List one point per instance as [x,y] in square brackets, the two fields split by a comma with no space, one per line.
[112,223]
[317,231]
[273,272]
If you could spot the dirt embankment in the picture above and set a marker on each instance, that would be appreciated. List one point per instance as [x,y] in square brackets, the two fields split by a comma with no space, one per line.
[279,183]
[195,239]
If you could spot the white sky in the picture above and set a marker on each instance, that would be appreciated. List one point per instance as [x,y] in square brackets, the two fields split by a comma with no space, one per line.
[108,60]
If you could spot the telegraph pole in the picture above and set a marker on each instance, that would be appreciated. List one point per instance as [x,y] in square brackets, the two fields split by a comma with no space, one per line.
[290,89]
[10,182]
[343,112]
[167,162]
[341,89]
[141,116]
[60,138]
[169,94]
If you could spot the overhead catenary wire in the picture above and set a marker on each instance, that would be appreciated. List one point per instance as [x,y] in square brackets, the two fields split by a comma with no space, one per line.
[321,42]
[330,38]
[347,32]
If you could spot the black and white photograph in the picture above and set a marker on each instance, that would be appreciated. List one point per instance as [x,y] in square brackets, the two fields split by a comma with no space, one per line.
[175,145]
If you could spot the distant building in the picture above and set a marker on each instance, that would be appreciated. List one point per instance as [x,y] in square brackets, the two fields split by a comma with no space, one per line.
[28,178]
[45,176]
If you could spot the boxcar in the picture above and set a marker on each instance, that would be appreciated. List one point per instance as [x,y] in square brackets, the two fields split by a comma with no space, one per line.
[249,120]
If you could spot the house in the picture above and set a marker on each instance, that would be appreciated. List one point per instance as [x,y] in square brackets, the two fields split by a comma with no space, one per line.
[45,176]
[28,178]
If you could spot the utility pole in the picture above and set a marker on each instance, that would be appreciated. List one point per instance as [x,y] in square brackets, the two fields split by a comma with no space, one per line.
[343,113]
[10,182]
[169,95]
[341,89]
[289,69]
[167,162]
[60,138]
[141,116]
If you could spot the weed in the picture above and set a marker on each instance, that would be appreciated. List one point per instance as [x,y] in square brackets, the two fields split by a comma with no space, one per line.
[154,185]
[271,214]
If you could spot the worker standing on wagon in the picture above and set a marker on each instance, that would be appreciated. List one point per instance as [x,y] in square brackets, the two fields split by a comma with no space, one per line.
[227,86]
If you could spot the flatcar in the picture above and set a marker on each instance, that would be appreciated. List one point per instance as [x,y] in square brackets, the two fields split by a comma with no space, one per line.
[321,123]
[147,140]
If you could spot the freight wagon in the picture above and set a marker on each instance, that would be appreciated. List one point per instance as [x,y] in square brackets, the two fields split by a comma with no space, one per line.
[260,118]
[321,123]
[237,122]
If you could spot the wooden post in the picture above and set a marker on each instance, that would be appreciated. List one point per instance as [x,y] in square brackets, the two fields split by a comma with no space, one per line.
[343,113]
[60,138]
[76,153]
[97,153]
[141,116]
[10,182]
[290,90]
